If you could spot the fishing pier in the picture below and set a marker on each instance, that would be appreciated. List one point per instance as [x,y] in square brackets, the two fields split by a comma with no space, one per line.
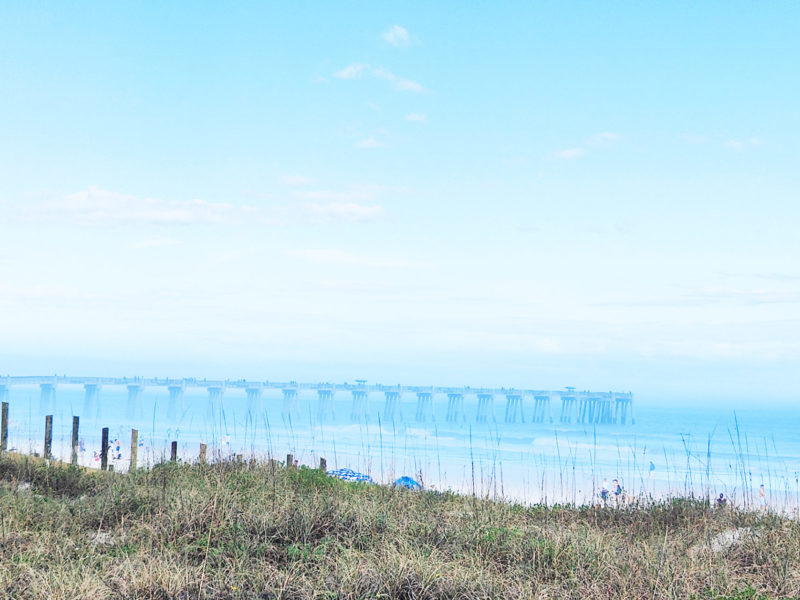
[565,406]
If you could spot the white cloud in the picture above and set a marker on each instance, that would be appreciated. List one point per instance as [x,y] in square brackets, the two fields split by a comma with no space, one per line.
[606,138]
[397,36]
[742,144]
[370,142]
[346,211]
[356,70]
[358,203]
[154,242]
[416,117]
[51,297]
[359,193]
[96,207]
[398,83]
[297,180]
[713,296]
[570,153]
[333,257]
[352,71]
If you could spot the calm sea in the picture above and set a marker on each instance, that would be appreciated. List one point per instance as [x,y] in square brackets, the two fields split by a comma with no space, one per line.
[672,449]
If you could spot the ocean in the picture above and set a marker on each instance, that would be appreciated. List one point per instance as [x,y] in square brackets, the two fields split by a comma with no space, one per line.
[674,449]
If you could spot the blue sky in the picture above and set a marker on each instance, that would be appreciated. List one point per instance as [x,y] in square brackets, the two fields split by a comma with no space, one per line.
[593,194]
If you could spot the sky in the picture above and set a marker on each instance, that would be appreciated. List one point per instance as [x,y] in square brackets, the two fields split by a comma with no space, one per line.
[601,195]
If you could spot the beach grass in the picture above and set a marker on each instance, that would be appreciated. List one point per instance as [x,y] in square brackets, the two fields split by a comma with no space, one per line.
[261,530]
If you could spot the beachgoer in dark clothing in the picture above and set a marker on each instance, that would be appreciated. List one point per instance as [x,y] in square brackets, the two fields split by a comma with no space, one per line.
[604,490]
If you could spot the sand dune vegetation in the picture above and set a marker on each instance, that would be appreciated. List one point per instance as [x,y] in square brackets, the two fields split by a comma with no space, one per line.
[240,530]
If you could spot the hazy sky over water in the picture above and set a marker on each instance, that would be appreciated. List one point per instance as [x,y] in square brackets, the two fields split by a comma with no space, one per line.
[594,194]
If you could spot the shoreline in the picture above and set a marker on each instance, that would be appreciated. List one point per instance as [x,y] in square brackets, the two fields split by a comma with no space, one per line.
[625,501]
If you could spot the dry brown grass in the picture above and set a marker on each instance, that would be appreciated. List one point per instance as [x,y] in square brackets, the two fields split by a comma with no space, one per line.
[255,531]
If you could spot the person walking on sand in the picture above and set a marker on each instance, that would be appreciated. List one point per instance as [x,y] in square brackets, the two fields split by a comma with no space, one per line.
[762,498]
[616,488]
[604,490]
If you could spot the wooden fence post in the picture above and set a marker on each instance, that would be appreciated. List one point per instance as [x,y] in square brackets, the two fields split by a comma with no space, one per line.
[289,460]
[4,429]
[134,449]
[323,465]
[173,455]
[48,436]
[74,456]
[203,448]
[104,450]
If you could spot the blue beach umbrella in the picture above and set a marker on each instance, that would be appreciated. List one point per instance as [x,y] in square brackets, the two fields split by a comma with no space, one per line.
[409,483]
[350,475]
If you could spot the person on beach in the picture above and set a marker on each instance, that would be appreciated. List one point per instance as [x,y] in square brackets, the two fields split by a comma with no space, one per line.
[604,490]
[762,498]
[616,488]
[722,501]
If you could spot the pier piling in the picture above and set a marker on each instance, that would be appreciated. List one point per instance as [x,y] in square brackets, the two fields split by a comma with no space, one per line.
[359,408]
[290,403]
[48,395]
[325,407]
[514,407]
[541,411]
[175,396]
[485,408]
[424,406]
[390,407]
[455,406]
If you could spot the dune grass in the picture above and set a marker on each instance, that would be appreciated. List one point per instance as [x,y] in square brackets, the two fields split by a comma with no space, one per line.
[238,530]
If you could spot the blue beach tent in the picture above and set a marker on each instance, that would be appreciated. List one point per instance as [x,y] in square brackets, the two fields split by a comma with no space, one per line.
[409,483]
[350,475]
